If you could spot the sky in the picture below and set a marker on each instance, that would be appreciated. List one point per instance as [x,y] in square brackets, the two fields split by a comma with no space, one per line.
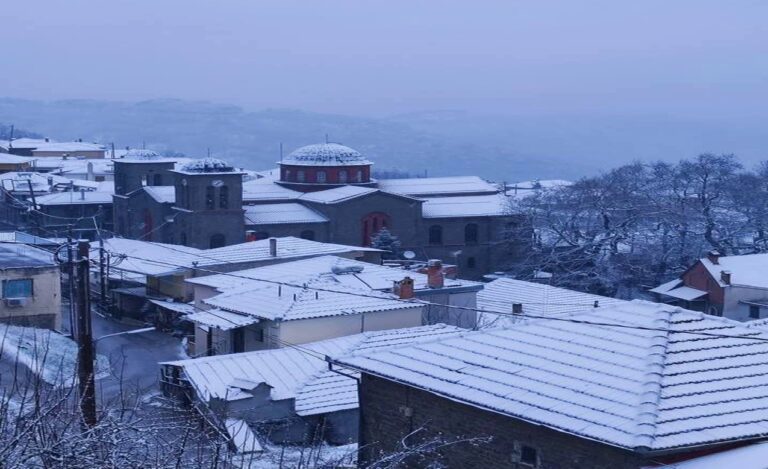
[682,58]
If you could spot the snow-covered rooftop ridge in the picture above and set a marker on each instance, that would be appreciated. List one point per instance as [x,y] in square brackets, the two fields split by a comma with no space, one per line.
[273,302]
[337,194]
[327,268]
[141,154]
[467,206]
[537,299]
[291,212]
[325,154]
[207,165]
[39,144]
[267,189]
[295,374]
[438,186]
[636,375]
[162,194]
[75,198]
[7,158]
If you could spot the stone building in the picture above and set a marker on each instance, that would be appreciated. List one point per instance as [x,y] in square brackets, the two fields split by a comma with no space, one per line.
[31,287]
[322,192]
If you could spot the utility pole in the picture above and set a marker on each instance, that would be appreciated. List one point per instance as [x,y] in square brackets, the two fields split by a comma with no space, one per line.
[85,355]
[102,276]
[71,284]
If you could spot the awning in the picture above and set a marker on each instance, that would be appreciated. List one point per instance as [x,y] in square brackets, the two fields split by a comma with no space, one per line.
[220,319]
[182,308]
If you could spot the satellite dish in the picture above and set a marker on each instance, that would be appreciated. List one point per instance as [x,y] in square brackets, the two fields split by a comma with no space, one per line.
[409,255]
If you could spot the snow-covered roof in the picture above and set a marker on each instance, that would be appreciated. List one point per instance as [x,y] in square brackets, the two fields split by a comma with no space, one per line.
[636,375]
[748,270]
[296,374]
[75,198]
[676,289]
[24,238]
[337,194]
[423,187]
[39,144]
[466,206]
[330,269]
[288,247]
[754,456]
[19,256]
[537,299]
[283,303]
[266,189]
[162,194]
[207,165]
[141,154]
[7,158]
[220,319]
[182,308]
[271,214]
[17,181]
[146,258]
[325,154]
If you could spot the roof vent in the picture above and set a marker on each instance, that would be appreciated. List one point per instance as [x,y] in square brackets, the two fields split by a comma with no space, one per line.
[273,247]
[348,269]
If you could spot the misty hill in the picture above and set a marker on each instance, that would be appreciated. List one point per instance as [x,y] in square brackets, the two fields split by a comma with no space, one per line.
[444,143]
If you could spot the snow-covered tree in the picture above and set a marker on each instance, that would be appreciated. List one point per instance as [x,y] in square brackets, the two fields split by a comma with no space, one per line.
[388,242]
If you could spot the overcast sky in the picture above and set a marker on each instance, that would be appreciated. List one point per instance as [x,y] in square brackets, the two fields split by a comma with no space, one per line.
[681,58]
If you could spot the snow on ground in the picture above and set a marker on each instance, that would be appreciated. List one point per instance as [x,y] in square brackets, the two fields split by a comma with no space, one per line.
[48,354]
[275,456]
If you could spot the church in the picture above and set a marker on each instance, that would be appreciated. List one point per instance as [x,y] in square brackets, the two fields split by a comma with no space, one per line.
[323,192]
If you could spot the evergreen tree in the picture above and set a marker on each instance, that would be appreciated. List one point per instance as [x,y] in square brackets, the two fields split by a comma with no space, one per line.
[386,241]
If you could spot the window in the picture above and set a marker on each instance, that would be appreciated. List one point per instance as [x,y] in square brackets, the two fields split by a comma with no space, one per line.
[300,176]
[287,176]
[359,176]
[183,239]
[17,288]
[435,234]
[528,456]
[157,180]
[754,312]
[343,176]
[470,233]
[238,340]
[210,193]
[308,234]
[321,177]
[218,240]
[224,197]
[471,263]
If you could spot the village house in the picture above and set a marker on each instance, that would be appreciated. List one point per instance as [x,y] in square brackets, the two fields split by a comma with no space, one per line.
[322,192]
[288,395]
[735,287]
[46,147]
[440,300]
[504,302]
[628,386]
[31,287]
[9,163]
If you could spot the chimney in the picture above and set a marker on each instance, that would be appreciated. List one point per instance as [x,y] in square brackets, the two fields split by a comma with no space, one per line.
[250,235]
[403,288]
[82,194]
[517,308]
[273,247]
[714,256]
[50,183]
[435,273]
[89,175]
[725,276]
[47,140]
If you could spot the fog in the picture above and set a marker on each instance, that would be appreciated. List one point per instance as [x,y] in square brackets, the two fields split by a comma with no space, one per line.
[688,59]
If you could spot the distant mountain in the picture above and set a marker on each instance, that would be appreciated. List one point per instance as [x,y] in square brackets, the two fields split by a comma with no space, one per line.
[440,142]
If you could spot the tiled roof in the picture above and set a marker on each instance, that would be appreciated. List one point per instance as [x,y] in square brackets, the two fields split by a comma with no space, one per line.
[271,214]
[19,256]
[267,189]
[537,300]
[422,187]
[322,299]
[466,206]
[651,383]
[338,194]
[75,198]
[325,154]
[299,374]
[321,268]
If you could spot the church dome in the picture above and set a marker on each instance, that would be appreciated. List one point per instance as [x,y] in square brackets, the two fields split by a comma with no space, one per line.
[325,154]
[207,165]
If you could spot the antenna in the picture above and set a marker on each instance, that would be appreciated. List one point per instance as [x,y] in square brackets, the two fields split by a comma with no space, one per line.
[209,152]
[281,151]
[326,138]
[10,138]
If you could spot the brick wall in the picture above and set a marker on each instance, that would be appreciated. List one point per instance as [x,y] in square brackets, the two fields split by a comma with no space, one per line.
[385,422]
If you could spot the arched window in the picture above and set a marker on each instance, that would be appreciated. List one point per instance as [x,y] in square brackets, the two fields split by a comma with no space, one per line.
[435,234]
[157,180]
[148,226]
[210,195]
[299,176]
[359,175]
[183,239]
[218,240]
[343,176]
[308,234]
[471,233]
[371,224]
[224,197]
[321,177]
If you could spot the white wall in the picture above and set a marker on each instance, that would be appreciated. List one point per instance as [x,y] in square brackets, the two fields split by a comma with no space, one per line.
[45,302]
[732,309]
